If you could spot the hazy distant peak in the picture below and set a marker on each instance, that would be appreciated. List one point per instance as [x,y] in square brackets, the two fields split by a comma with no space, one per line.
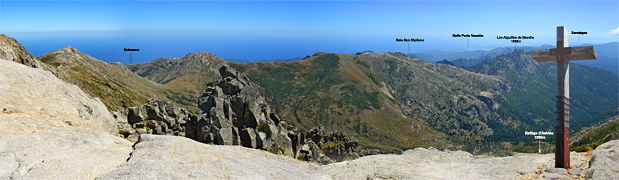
[70,54]
[69,50]
[199,53]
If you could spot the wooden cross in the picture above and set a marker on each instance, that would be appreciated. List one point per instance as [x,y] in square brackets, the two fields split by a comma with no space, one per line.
[563,54]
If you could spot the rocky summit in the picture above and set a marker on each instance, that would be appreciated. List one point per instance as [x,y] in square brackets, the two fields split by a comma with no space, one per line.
[11,50]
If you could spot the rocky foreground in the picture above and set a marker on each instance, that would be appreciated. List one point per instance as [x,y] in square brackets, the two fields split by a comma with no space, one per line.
[80,153]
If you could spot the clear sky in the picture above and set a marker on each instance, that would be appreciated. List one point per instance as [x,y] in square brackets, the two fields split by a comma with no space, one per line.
[257,30]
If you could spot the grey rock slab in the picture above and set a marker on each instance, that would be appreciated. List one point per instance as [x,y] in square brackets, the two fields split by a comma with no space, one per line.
[285,143]
[604,161]
[422,163]
[34,99]
[173,157]
[61,153]
[225,136]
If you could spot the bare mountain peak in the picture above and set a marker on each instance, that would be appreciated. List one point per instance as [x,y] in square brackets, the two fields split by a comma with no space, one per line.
[69,50]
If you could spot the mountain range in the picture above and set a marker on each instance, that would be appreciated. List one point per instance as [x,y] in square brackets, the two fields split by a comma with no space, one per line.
[370,94]
[388,100]
[608,55]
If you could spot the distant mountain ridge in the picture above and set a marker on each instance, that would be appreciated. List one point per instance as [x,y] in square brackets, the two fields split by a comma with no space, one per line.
[608,56]
[186,76]
[114,84]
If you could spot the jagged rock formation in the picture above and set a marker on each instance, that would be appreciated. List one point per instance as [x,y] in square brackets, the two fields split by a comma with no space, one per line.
[11,50]
[34,99]
[155,117]
[233,111]
[61,153]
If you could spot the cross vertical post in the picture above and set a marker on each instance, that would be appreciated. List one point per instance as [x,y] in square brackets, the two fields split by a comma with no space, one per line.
[563,54]
[562,132]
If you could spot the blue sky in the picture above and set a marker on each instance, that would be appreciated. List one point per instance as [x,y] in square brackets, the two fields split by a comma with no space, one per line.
[257,30]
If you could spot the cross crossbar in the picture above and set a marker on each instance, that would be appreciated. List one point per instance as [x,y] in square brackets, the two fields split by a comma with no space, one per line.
[574,53]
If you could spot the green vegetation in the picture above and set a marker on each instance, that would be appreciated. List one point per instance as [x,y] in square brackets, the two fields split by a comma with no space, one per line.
[585,148]
[359,99]
[265,128]
[301,158]
[602,134]
[330,145]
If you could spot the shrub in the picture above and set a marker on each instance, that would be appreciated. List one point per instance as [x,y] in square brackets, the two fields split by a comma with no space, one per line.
[585,148]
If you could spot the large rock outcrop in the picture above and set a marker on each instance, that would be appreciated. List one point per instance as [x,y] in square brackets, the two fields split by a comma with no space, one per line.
[605,161]
[61,153]
[170,157]
[34,99]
